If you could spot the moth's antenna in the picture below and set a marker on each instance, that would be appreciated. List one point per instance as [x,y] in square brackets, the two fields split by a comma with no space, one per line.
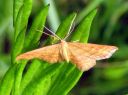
[48,34]
[52,33]
[70,31]
[71,28]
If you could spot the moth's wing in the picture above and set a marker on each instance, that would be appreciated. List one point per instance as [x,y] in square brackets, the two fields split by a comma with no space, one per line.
[80,59]
[85,55]
[95,51]
[50,54]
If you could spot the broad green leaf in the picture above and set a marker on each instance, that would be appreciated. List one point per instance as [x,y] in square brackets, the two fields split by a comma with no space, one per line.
[7,81]
[36,30]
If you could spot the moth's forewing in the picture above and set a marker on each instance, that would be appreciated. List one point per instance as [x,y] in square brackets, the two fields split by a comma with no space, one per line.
[95,51]
[50,54]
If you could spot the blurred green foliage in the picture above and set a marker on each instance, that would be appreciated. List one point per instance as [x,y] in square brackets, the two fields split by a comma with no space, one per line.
[108,27]
[6,34]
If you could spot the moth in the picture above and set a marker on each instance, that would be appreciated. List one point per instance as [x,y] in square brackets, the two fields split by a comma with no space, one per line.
[84,56]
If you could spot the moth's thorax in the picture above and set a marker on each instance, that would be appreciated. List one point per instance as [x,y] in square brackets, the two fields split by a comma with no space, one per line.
[64,50]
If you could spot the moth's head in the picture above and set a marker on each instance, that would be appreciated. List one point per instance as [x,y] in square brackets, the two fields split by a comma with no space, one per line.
[63,41]
[64,44]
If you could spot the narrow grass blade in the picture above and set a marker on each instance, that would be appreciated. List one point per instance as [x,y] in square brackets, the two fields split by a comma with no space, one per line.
[7,81]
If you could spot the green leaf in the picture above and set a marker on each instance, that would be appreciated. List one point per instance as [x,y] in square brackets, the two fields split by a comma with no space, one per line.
[22,18]
[65,80]
[43,87]
[20,28]
[16,7]
[61,80]
[64,28]
[28,76]
[37,81]
[18,76]
[33,37]
[7,81]
[18,23]
[66,25]
[18,45]
[48,80]
[82,32]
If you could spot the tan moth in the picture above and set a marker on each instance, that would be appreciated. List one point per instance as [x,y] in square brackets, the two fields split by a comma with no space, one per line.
[84,56]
